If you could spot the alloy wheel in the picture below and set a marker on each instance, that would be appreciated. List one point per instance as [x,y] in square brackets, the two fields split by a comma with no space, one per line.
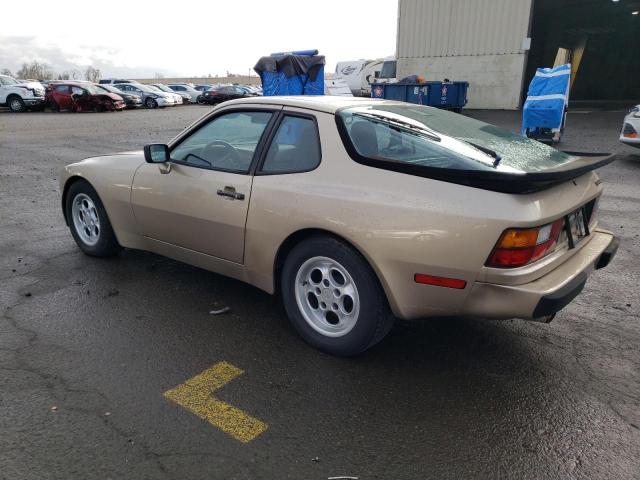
[85,219]
[327,296]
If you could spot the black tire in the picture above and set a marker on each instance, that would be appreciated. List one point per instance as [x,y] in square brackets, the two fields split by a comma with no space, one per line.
[16,104]
[53,106]
[374,319]
[150,103]
[107,245]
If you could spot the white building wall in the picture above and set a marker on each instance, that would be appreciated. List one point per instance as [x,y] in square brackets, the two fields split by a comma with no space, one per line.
[480,41]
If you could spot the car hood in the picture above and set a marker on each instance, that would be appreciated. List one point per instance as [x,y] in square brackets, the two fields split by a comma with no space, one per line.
[36,85]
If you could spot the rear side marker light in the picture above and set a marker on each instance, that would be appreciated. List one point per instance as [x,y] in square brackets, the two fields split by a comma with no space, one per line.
[520,246]
[439,281]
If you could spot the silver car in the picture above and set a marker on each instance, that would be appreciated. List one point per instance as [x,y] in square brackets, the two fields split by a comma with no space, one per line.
[188,89]
[183,97]
[150,98]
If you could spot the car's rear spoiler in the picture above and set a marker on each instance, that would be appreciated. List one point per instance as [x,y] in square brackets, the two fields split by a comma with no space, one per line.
[497,181]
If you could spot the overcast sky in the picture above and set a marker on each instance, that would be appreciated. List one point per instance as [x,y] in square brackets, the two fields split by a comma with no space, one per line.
[138,38]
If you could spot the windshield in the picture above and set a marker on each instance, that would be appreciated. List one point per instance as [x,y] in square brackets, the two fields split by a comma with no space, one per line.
[163,88]
[155,87]
[93,89]
[437,138]
[8,81]
[108,88]
[146,88]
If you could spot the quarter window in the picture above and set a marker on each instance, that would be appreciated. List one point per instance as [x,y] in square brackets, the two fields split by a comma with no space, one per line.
[295,147]
[227,142]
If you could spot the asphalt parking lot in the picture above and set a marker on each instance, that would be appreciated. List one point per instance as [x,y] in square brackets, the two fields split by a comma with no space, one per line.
[89,347]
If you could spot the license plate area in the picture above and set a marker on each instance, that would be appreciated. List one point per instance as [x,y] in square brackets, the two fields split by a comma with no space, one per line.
[576,227]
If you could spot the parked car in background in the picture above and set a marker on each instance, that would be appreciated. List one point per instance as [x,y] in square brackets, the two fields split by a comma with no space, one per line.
[106,81]
[203,86]
[185,88]
[180,96]
[131,100]
[356,211]
[217,95]
[630,133]
[82,97]
[21,96]
[150,98]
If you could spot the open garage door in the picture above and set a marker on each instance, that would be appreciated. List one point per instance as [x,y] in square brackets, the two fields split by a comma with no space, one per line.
[602,37]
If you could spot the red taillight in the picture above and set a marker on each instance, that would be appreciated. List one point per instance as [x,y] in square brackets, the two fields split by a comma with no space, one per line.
[520,246]
[439,281]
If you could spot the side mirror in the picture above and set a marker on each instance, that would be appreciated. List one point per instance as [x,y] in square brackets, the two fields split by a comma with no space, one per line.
[156,153]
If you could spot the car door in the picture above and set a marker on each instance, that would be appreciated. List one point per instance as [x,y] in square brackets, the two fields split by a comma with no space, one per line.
[202,203]
[62,96]
[81,98]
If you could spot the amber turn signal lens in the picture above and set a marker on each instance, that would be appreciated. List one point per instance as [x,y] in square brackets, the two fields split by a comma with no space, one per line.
[516,238]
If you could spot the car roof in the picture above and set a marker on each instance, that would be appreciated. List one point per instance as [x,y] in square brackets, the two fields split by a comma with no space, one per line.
[324,103]
[72,83]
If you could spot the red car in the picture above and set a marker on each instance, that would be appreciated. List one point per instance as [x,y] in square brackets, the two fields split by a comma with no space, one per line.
[81,97]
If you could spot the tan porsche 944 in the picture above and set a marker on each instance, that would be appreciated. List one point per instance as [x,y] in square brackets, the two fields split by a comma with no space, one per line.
[356,211]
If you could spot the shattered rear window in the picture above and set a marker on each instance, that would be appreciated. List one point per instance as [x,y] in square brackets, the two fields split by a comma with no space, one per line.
[478,144]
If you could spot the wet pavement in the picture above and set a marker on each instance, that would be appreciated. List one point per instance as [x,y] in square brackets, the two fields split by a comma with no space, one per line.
[89,346]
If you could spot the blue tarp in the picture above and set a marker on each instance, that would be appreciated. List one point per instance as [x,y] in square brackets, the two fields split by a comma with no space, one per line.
[295,73]
[546,99]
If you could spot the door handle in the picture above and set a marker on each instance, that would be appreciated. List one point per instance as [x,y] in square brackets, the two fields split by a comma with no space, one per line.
[230,192]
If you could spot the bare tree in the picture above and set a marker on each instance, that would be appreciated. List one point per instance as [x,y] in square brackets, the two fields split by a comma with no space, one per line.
[92,74]
[35,70]
[76,74]
[158,75]
[64,76]
[6,71]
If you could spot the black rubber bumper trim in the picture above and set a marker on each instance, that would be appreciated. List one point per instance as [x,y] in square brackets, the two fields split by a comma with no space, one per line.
[608,254]
[556,301]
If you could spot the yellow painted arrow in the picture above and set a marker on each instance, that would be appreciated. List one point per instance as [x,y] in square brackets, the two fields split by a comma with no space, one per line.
[195,396]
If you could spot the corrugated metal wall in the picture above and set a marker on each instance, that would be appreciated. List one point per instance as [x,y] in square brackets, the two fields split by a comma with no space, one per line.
[440,28]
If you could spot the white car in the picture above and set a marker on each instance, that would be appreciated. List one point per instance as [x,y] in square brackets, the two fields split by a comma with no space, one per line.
[184,88]
[181,97]
[630,133]
[19,96]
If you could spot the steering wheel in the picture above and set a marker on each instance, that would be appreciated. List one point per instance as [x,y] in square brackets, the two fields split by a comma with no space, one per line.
[229,159]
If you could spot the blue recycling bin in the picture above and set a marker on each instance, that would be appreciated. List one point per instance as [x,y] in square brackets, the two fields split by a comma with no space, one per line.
[447,95]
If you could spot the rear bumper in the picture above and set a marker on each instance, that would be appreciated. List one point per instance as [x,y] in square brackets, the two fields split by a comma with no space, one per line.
[548,294]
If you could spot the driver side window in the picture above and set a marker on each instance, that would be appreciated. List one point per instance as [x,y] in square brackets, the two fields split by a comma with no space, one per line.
[227,143]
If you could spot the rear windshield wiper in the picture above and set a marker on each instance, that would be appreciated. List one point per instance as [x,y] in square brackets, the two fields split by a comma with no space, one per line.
[488,151]
[383,119]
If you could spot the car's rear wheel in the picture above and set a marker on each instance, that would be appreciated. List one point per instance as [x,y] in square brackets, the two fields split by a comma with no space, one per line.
[333,297]
[151,103]
[16,104]
[88,221]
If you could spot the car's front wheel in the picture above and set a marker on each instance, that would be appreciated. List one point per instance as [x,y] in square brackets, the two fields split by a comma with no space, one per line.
[151,103]
[333,297]
[16,104]
[88,221]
